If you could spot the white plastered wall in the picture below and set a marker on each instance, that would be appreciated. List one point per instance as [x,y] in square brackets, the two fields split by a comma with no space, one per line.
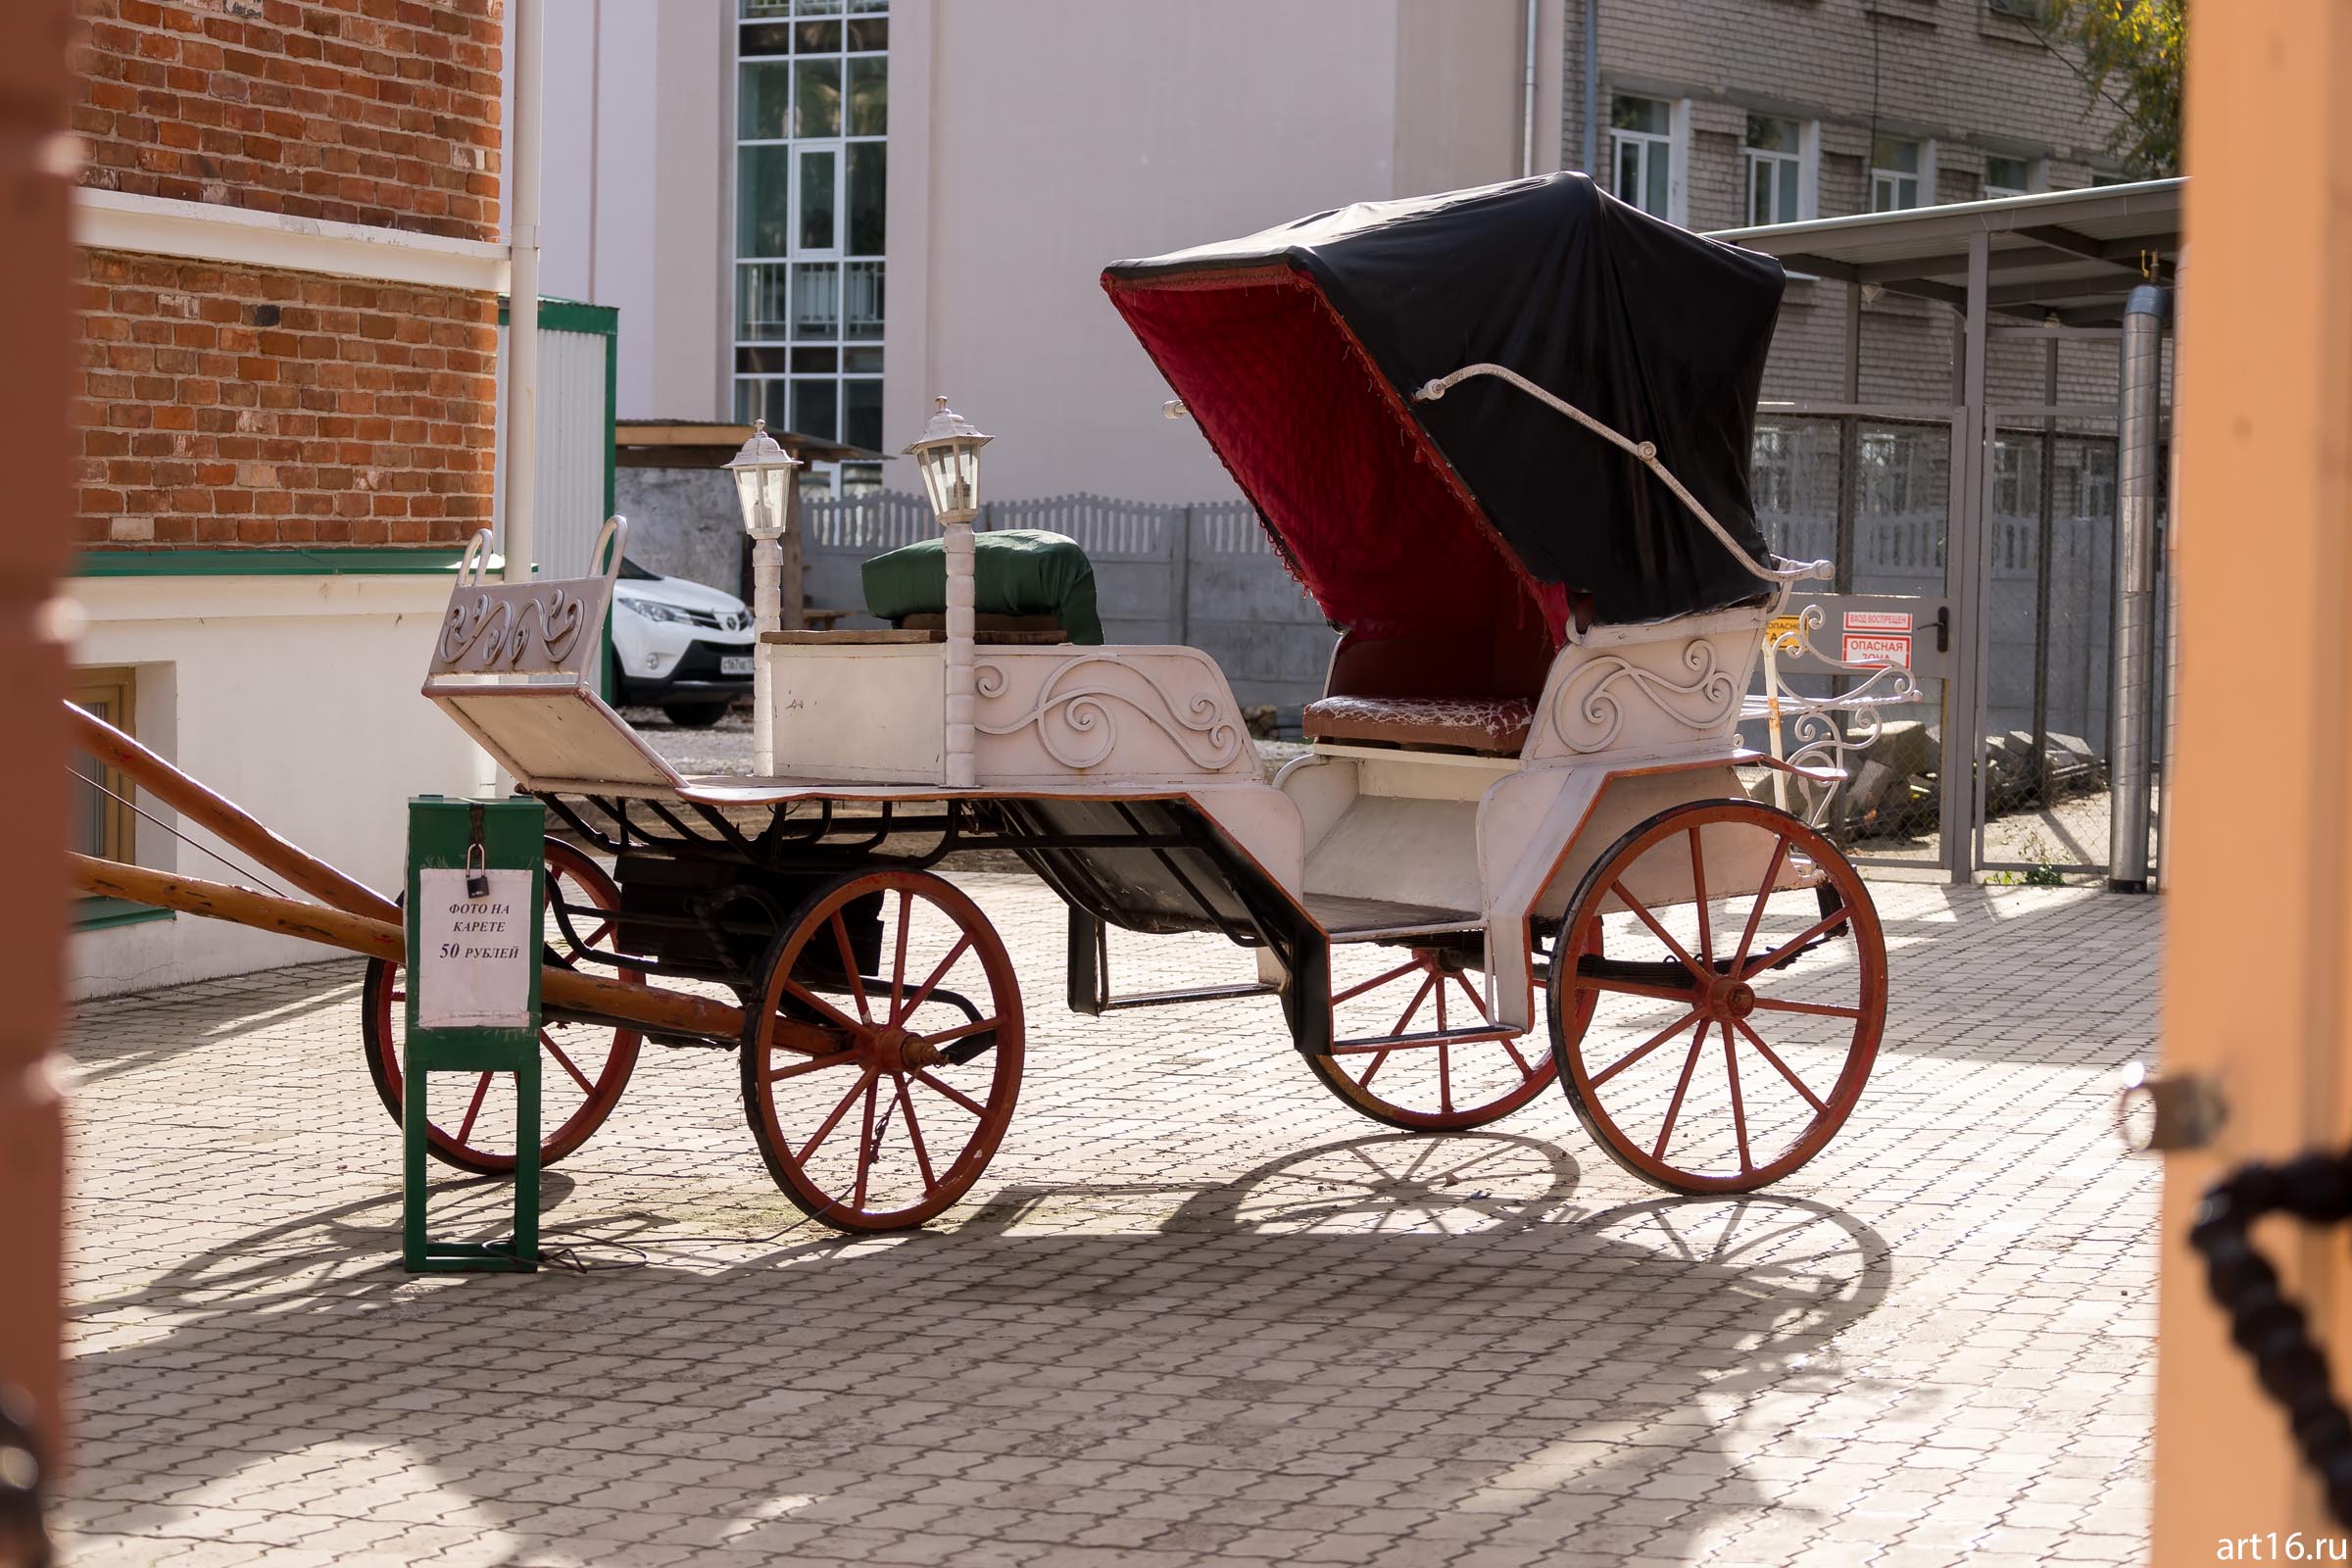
[1031,141]
[635,181]
[294,697]
[1057,135]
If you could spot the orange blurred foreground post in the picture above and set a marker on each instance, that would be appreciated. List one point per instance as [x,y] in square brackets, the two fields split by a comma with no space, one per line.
[37,325]
[2259,916]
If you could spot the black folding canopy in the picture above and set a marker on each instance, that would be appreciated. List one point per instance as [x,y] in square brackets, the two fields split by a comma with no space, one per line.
[1299,349]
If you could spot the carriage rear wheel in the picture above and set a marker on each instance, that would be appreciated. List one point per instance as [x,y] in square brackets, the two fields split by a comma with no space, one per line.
[583,1066]
[1725,1013]
[1392,1056]
[882,1057]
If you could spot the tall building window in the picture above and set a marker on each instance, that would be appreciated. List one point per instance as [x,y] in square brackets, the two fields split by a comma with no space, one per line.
[2094,486]
[1894,170]
[1642,141]
[1775,157]
[1772,470]
[2007,176]
[2008,478]
[812,179]
[1886,472]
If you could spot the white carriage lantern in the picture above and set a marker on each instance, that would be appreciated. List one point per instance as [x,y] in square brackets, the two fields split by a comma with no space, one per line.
[763,472]
[948,455]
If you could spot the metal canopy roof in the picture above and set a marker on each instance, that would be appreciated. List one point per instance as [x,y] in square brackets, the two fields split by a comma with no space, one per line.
[2071,254]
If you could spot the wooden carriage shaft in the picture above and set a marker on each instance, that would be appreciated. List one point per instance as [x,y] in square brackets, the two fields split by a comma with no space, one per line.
[625,1002]
[224,819]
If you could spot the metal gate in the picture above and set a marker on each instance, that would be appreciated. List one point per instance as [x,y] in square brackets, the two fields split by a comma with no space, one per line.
[1995,582]
[1869,487]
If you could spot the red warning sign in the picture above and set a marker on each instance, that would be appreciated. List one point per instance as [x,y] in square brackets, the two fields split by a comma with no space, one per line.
[1877,647]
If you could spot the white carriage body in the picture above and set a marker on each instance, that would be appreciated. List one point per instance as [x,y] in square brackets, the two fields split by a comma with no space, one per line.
[1371,841]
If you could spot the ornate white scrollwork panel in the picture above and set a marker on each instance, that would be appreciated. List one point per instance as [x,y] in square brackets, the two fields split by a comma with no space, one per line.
[1124,711]
[1615,698]
[1829,732]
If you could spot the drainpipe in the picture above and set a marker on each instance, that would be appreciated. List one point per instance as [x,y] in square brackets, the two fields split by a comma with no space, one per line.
[1592,88]
[2172,629]
[522,296]
[1527,100]
[2134,664]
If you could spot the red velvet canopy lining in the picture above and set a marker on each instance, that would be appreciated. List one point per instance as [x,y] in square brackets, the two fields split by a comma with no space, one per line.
[1372,520]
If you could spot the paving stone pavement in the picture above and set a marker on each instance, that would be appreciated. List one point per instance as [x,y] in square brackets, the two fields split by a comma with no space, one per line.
[1196,1312]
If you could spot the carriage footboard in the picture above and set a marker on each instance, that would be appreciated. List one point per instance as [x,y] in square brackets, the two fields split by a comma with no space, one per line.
[1090,990]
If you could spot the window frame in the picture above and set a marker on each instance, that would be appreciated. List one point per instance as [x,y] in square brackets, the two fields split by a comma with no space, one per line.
[1772,470]
[1918,176]
[835,149]
[1786,170]
[2096,476]
[1882,474]
[2031,167]
[1647,144]
[110,690]
[2008,477]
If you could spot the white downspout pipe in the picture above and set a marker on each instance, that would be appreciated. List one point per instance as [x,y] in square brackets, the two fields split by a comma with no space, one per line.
[522,296]
[2136,607]
[1527,100]
[520,445]
[1592,93]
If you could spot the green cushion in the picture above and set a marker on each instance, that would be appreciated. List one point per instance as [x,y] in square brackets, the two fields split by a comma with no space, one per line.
[1015,572]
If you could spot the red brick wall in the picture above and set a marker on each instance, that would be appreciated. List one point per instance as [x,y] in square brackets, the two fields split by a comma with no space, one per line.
[231,404]
[379,112]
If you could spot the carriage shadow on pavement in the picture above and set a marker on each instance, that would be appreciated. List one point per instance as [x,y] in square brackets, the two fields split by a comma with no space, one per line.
[1434,1327]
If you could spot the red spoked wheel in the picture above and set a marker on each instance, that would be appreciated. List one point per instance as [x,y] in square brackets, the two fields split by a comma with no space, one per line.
[1414,1046]
[1727,1007]
[583,1065]
[883,1055]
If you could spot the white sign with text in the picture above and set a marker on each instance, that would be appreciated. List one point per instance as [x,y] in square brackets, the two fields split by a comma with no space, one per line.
[473,957]
[1878,620]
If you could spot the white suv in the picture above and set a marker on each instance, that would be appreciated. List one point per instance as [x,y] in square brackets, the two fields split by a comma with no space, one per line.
[679,646]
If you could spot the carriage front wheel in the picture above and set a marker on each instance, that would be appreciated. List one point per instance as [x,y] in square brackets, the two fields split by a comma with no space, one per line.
[883,1054]
[1725,1006]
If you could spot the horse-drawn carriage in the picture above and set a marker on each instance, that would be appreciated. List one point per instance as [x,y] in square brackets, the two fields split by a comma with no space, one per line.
[1502,437]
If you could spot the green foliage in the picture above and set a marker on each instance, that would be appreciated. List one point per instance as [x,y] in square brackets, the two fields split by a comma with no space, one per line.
[2040,874]
[2134,53]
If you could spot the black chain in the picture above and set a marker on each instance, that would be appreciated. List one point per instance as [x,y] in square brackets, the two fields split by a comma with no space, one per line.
[2270,1329]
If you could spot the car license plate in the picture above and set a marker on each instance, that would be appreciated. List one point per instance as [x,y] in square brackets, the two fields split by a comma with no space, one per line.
[734,663]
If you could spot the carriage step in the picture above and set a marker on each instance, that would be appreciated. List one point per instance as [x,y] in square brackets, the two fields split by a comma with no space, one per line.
[1370,919]
[1470,1035]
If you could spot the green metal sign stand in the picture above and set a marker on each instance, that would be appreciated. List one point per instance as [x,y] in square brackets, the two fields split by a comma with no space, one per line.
[476,886]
